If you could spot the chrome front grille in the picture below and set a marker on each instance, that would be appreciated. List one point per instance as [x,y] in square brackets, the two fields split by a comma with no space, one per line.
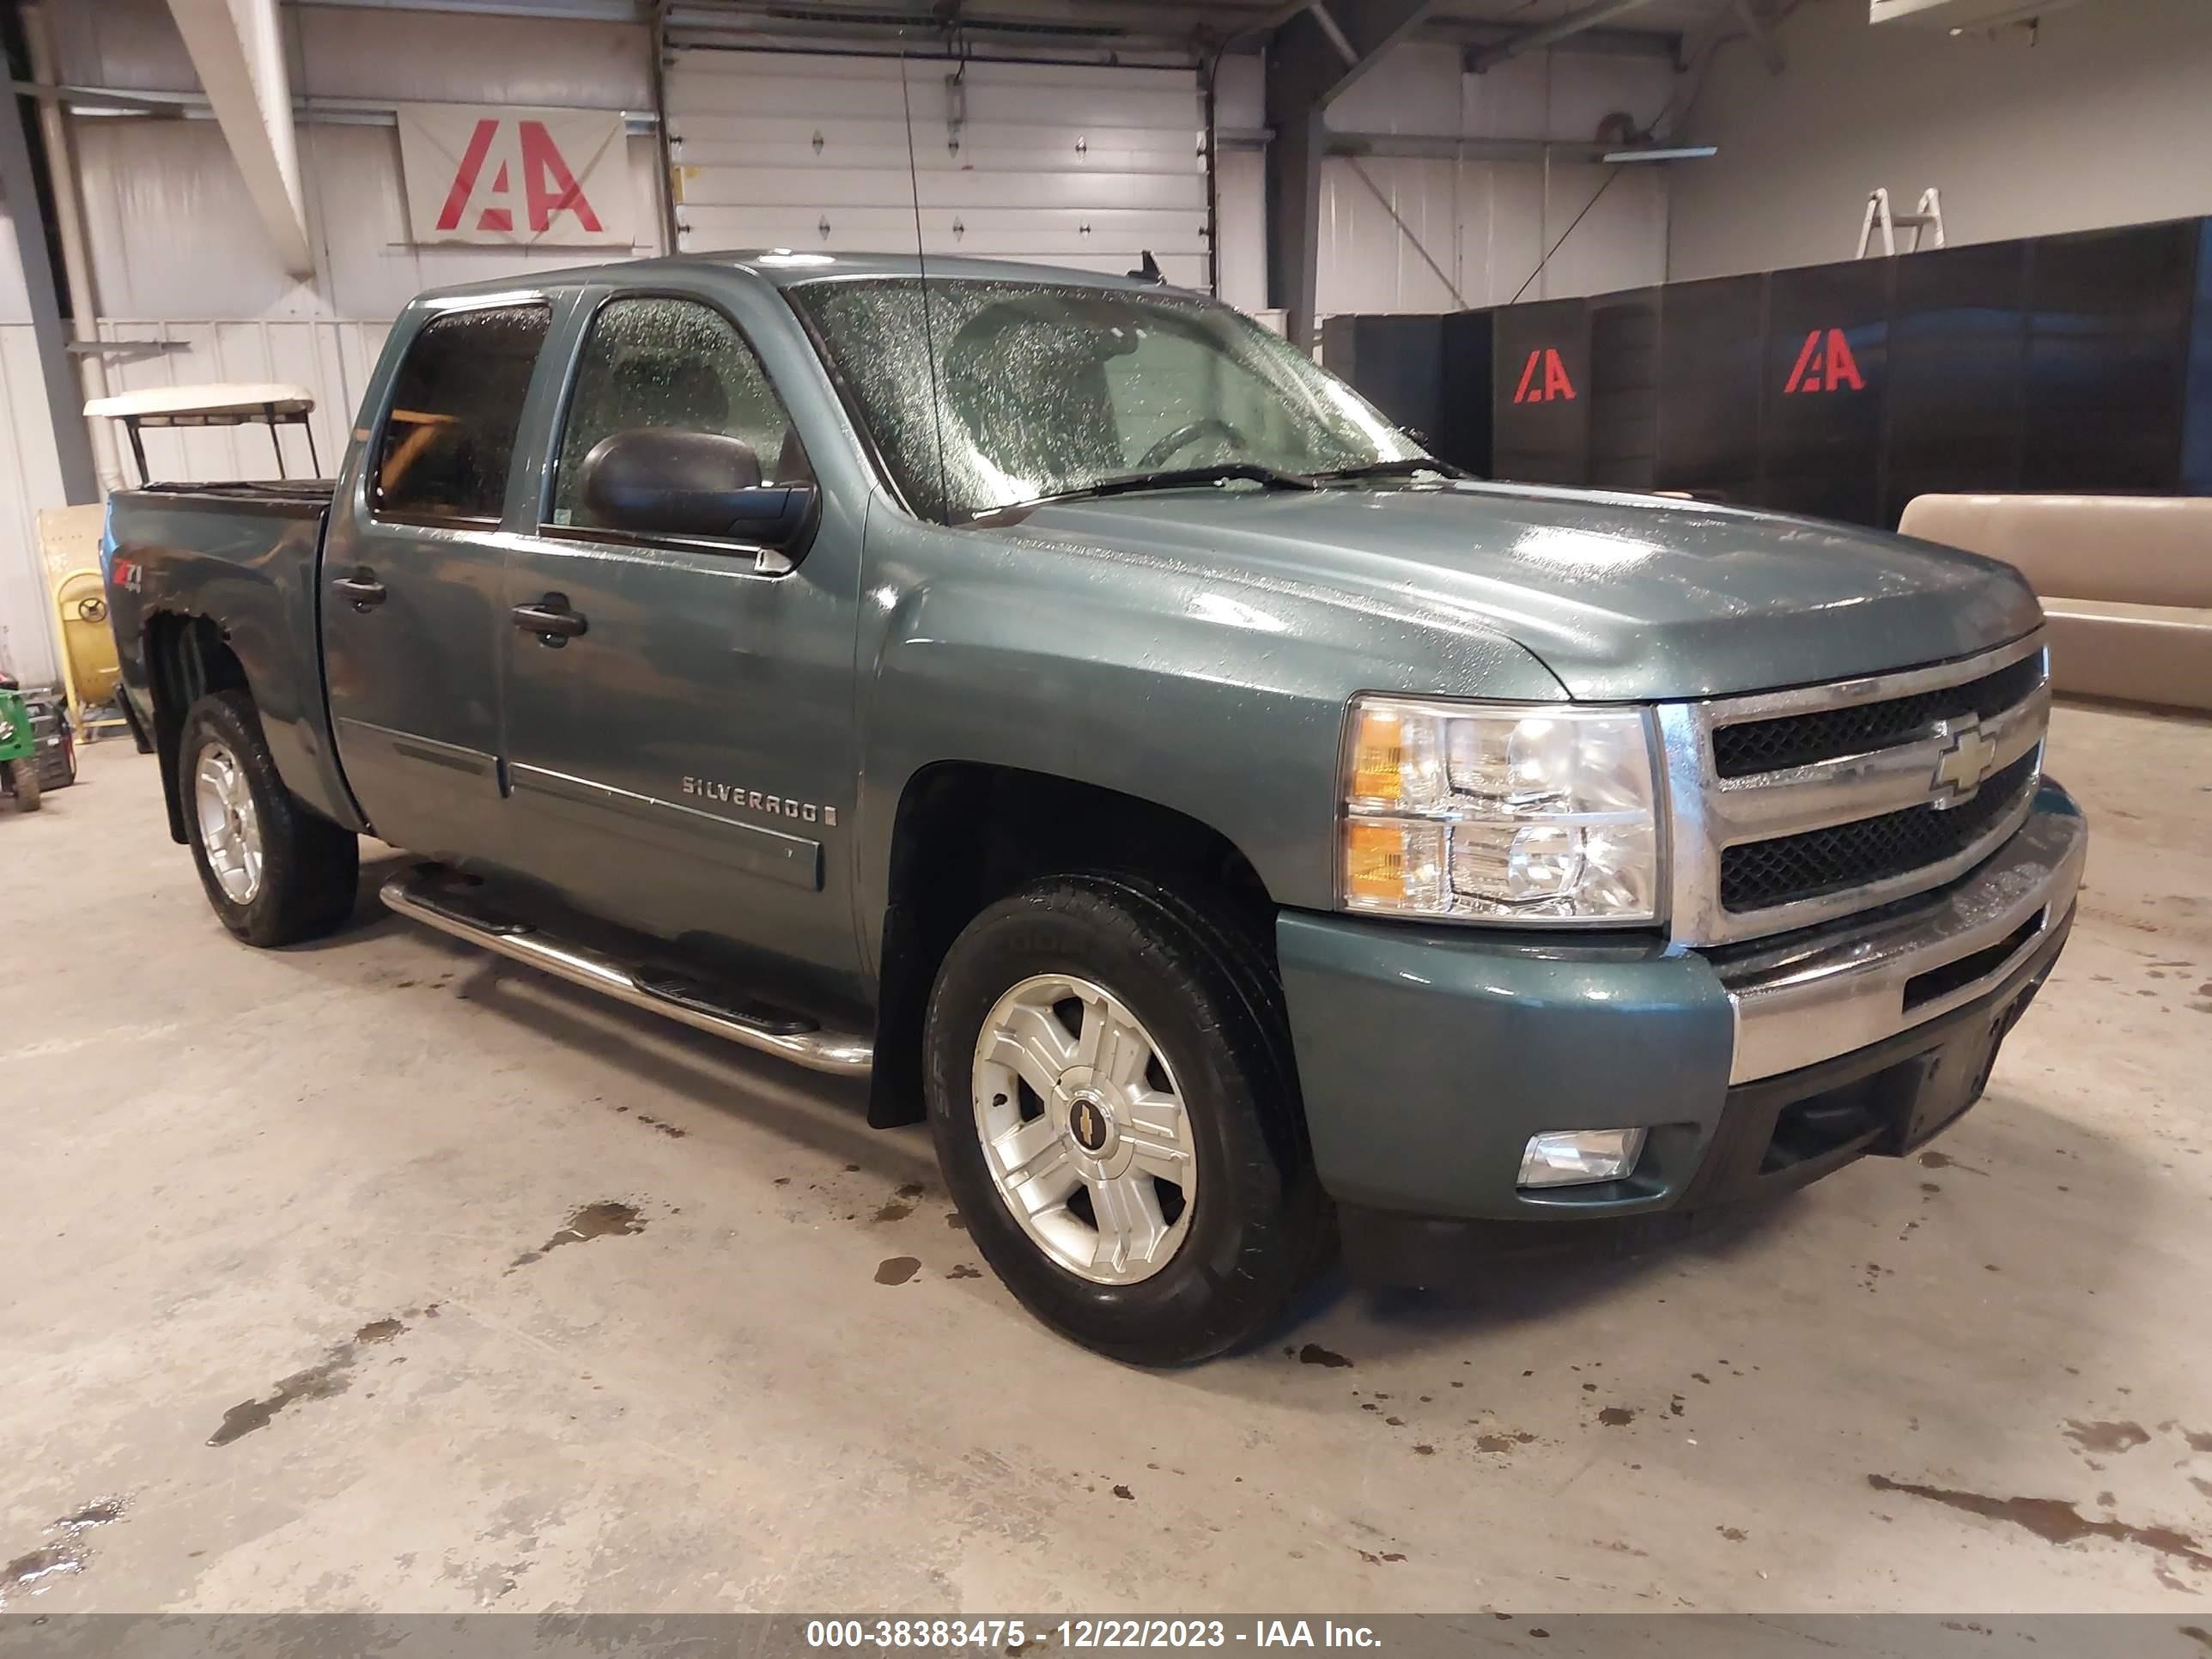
[1791,808]
[1749,747]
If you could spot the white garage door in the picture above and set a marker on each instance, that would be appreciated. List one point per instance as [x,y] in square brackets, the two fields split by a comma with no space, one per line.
[1068,164]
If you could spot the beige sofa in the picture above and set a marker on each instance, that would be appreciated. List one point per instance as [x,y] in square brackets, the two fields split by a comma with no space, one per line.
[2126,582]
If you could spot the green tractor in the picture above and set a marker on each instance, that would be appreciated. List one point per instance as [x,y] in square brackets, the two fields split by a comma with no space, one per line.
[19,748]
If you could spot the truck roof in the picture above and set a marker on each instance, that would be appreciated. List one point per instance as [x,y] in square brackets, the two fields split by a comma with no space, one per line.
[787,268]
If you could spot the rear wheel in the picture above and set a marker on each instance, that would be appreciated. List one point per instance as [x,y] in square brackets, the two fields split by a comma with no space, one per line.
[274,872]
[24,774]
[1115,1113]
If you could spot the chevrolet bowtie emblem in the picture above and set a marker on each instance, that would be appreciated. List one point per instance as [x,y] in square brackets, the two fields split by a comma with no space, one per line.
[1962,765]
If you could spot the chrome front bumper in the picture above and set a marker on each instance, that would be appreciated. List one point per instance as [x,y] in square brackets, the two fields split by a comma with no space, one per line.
[1810,996]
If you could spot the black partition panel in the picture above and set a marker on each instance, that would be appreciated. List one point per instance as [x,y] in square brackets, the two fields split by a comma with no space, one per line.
[1958,345]
[1827,370]
[1710,347]
[2197,377]
[2108,341]
[2080,362]
[1539,392]
[1623,390]
[1463,421]
[1396,362]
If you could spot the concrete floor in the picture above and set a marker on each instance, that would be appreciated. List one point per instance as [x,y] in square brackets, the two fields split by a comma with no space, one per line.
[287,1278]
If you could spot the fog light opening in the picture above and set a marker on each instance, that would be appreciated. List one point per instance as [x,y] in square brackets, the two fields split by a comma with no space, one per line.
[1575,1157]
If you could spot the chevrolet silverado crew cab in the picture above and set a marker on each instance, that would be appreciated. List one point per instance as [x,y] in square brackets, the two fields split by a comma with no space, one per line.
[1240,836]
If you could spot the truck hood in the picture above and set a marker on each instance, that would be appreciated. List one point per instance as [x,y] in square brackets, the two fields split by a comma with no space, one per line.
[1626,597]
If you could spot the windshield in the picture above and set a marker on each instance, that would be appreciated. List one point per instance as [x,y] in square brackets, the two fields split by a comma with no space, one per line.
[1045,389]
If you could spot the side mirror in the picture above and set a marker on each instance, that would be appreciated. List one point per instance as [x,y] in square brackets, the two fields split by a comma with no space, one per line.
[658,481]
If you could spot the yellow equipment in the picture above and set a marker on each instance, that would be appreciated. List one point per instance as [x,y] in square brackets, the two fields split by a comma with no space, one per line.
[69,539]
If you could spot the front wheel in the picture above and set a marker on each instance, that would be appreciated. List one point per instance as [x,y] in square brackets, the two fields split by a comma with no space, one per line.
[274,872]
[1115,1108]
[24,774]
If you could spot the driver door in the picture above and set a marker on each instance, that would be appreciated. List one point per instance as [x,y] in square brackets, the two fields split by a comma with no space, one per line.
[679,758]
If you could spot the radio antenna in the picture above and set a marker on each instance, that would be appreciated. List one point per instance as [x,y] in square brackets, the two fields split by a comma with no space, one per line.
[921,268]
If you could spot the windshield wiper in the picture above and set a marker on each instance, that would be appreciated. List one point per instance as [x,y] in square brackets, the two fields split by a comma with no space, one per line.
[1405,468]
[1181,476]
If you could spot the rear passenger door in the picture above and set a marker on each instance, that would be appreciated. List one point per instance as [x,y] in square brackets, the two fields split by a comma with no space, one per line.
[411,602]
[679,764]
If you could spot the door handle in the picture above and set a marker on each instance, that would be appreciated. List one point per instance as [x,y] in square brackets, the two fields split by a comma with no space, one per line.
[364,590]
[550,619]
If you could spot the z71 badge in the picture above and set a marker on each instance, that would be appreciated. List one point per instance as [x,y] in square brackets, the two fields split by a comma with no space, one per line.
[760,801]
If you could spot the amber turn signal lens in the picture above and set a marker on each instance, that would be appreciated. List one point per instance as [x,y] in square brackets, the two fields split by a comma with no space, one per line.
[1374,862]
[1377,752]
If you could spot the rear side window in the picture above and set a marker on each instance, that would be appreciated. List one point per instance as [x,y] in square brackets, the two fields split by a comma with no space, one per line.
[450,436]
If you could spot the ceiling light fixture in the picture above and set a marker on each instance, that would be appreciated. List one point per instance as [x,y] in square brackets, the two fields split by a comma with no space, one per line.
[1677,153]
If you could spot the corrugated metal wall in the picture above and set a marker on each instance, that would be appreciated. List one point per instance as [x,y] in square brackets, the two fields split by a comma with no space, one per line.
[30,477]
[1483,224]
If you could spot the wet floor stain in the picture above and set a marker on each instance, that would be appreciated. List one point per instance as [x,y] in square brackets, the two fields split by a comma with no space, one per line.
[1374,1559]
[1933,1160]
[662,1126]
[2198,1439]
[2197,1634]
[901,1203]
[39,1571]
[36,1571]
[332,1376]
[1503,1442]
[2105,1436]
[2054,1520]
[952,1220]
[965,1271]
[1733,1534]
[896,1269]
[606,1219]
[1123,1491]
[1314,1354]
[1617,1417]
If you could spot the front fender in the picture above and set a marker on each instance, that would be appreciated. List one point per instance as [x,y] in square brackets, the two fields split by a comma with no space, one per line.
[1219,701]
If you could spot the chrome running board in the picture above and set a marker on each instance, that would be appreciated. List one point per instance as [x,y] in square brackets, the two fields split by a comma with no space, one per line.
[773,1031]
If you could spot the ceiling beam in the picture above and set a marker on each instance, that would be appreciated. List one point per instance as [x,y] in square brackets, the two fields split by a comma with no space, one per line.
[1762,37]
[1476,36]
[237,49]
[1550,35]
[1318,54]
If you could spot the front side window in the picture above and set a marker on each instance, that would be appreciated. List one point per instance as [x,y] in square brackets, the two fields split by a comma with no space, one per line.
[670,365]
[456,401]
[983,393]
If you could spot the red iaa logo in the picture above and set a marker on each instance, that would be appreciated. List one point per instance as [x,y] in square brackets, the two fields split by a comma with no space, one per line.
[1555,384]
[1825,366]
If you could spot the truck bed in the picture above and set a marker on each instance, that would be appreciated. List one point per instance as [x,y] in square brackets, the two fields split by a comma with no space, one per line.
[295,497]
[241,561]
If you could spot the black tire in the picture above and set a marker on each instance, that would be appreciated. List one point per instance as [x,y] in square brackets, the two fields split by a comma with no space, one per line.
[24,774]
[1260,1227]
[310,867]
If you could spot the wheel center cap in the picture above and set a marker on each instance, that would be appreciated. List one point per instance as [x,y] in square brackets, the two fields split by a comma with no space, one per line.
[1090,1125]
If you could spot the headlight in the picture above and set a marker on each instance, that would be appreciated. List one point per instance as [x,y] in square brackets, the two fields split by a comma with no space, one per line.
[1523,813]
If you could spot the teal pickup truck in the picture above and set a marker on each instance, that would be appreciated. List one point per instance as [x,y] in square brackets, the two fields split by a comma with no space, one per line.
[1242,837]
